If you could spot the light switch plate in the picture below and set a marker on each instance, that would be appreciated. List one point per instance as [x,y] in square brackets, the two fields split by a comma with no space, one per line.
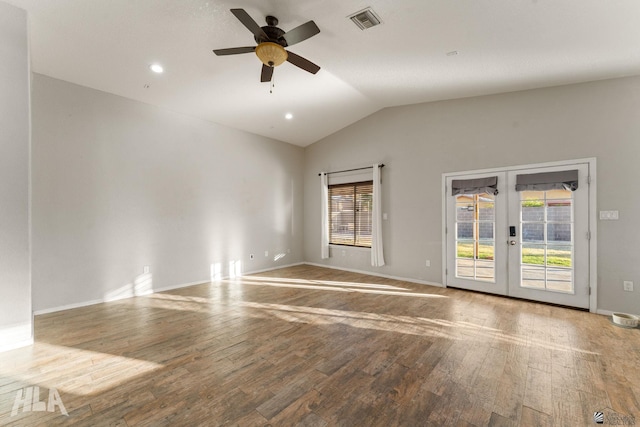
[609,215]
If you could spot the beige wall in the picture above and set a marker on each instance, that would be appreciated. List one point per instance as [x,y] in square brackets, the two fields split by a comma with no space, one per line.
[15,282]
[119,185]
[419,143]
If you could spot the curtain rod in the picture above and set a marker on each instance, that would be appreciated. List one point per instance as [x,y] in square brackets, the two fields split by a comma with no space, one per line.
[351,170]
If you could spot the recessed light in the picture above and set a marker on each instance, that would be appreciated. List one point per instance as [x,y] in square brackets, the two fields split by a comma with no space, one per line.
[156,68]
[288,116]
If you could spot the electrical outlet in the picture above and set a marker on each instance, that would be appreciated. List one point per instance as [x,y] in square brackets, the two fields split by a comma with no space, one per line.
[627,286]
[428,263]
[146,269]
[266,253]
[251,256]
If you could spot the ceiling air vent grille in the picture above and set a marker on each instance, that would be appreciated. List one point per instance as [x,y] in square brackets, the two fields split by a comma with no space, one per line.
[365,19]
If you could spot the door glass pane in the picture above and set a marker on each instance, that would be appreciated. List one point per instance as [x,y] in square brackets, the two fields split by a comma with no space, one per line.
[487,211]
[465,268]
[465,249]
[533,232]
[464,208]
[533,277]
[546,228]
[464,231]
[559,279]
[532,210]
[559,256]
[533,254]
[475,237]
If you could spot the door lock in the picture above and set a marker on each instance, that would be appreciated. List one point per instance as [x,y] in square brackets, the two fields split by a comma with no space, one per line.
[512,242]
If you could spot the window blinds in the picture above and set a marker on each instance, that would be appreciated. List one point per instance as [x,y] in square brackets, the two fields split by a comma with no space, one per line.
[350,207]
[487,185]
[561,180]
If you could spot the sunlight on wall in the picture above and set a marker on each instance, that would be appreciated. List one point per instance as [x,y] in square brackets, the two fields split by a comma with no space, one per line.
[216,271]
[142,285]
[235,269]
[16,335]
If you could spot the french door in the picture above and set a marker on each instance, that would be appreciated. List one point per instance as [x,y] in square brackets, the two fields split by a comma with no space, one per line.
[527,236]
[476,255]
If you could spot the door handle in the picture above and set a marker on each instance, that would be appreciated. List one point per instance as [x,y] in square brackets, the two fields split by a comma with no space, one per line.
[512,242]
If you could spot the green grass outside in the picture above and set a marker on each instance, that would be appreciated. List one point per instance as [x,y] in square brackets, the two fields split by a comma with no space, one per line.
[465,250]
[555,258]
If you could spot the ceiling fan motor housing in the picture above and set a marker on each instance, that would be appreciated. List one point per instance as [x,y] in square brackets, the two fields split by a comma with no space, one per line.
[273,33]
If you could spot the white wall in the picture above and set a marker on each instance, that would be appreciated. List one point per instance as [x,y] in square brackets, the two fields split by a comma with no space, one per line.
[119,185]
[418,143]
[15,281]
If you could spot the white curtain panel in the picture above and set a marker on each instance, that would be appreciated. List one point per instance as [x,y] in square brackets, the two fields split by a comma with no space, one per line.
[324,203]
[377,254]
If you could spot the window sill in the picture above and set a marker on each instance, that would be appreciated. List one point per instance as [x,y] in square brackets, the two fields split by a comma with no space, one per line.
[347,247]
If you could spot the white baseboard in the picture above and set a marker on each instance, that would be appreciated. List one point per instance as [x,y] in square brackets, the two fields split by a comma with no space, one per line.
[15,345]
[180,286]
[69,306]
[155,290]
[16,336]
[273,268]
[369,273]
[609,313]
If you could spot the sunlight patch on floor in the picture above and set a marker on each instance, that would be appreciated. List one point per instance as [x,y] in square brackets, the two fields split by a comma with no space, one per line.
[347,287]
[325,282]
[402,324]
[73,370]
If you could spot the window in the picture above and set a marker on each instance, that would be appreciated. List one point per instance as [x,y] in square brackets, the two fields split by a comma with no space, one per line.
[350,207]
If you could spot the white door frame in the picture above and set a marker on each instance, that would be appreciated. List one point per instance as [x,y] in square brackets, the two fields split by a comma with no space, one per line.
[593,224]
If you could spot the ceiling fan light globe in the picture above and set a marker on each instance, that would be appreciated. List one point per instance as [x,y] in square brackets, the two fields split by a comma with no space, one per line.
[271,54]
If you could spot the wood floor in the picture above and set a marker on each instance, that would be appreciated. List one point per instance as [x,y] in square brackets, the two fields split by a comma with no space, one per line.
[310,346]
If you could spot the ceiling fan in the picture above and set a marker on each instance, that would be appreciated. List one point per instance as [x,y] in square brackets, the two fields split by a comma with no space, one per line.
[272,42]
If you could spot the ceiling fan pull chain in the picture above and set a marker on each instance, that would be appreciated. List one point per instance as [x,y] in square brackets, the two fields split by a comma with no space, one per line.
[272,85]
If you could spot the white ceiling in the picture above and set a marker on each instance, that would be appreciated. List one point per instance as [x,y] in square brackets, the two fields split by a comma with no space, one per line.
[502,45]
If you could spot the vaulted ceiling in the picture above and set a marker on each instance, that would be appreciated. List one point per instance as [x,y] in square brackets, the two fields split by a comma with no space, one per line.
[424,50]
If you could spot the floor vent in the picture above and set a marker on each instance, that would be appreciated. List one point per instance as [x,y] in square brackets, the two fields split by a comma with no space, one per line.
[365,19]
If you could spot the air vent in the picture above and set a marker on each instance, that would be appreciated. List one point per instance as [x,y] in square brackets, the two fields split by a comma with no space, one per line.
[365,19]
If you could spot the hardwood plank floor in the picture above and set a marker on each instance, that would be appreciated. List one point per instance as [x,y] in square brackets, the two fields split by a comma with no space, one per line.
[310,346]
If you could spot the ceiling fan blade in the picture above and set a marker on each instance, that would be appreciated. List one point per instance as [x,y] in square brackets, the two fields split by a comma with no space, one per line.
[248,22]
[267,73]
[301,33]
[234,50]
[305,64]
